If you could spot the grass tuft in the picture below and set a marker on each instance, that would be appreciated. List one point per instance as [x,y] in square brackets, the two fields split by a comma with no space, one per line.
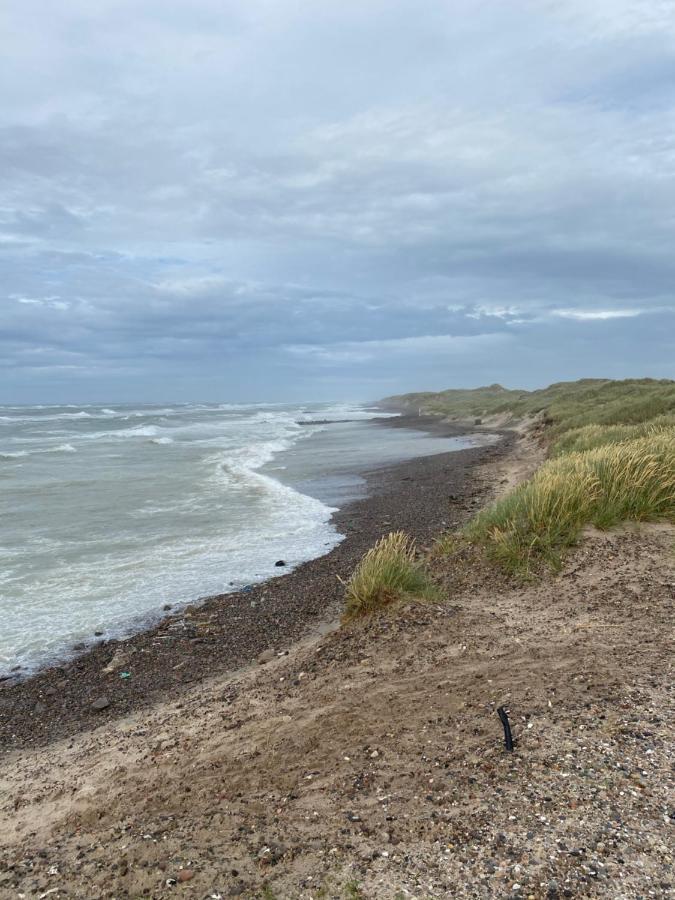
[389,571]
[633,480]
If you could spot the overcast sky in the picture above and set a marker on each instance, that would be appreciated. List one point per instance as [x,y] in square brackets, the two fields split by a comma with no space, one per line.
[267,200]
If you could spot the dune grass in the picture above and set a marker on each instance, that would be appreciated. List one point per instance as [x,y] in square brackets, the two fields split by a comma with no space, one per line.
[563,406]
[389,571]
[591,436]
[611,460]
[633,480]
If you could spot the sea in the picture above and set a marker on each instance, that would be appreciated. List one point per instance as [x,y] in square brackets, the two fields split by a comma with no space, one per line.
[108,513]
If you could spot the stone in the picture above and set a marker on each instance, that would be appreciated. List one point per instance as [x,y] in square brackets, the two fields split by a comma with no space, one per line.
[265,657]
[186,875]
[100,704]
[280,562]
[117,661]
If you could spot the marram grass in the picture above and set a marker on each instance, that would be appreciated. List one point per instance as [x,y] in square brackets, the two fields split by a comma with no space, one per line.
[389,571]
[633,480]
[591,436]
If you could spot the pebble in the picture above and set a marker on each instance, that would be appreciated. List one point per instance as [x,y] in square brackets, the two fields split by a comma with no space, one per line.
[100,704]
[186,875]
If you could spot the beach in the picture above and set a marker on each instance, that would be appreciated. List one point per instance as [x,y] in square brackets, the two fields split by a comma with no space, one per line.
[225,632]
[368,760]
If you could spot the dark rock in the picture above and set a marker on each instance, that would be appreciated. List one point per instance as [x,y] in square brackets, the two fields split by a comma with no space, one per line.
[280,562]
[100,704]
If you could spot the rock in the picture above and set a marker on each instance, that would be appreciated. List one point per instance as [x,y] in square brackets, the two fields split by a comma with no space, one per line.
[280,562]
[100,704]
[186,875]
[166,607]
[265,657]
[40,709]
[271,853]
[237,889]
[117,660]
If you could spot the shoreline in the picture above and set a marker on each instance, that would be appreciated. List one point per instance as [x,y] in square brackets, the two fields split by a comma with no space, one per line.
[225,632]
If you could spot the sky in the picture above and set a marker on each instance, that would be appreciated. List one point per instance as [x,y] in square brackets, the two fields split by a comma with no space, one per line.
[251,200]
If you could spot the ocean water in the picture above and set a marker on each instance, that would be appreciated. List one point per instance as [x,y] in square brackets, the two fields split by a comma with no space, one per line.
[110,512]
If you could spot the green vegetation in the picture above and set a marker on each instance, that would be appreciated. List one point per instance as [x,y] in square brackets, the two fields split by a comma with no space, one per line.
[612,459]
[591,436]
[615,482]
[563,406]
[389,571]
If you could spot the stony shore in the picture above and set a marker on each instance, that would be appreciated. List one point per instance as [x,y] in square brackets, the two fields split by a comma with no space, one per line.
[231,630]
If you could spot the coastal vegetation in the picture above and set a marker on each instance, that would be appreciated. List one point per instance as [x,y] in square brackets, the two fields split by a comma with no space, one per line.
[610,459]
[389,571]
[630,480]
[561,407]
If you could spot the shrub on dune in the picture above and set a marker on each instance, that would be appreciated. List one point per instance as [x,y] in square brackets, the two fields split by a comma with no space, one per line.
[389,571]
[629,481]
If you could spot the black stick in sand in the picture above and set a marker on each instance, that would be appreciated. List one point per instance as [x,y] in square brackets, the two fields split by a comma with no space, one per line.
[508,739]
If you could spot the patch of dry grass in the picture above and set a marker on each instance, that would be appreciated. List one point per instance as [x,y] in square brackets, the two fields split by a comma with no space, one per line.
[629,481]
[389,571]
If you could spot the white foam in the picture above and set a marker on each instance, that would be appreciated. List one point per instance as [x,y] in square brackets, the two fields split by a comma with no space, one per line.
[346,412]
[123,544]
[136,431]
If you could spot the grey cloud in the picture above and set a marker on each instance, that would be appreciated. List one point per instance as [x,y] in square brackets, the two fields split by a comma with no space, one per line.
[335,194]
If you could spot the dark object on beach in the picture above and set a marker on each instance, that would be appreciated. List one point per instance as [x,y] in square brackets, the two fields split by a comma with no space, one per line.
[508,739]
[100,704]
[280,562]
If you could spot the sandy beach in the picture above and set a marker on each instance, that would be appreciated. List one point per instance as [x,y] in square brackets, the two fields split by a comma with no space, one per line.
[368,761]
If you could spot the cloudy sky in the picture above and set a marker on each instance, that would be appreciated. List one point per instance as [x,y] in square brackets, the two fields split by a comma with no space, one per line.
[269,200]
